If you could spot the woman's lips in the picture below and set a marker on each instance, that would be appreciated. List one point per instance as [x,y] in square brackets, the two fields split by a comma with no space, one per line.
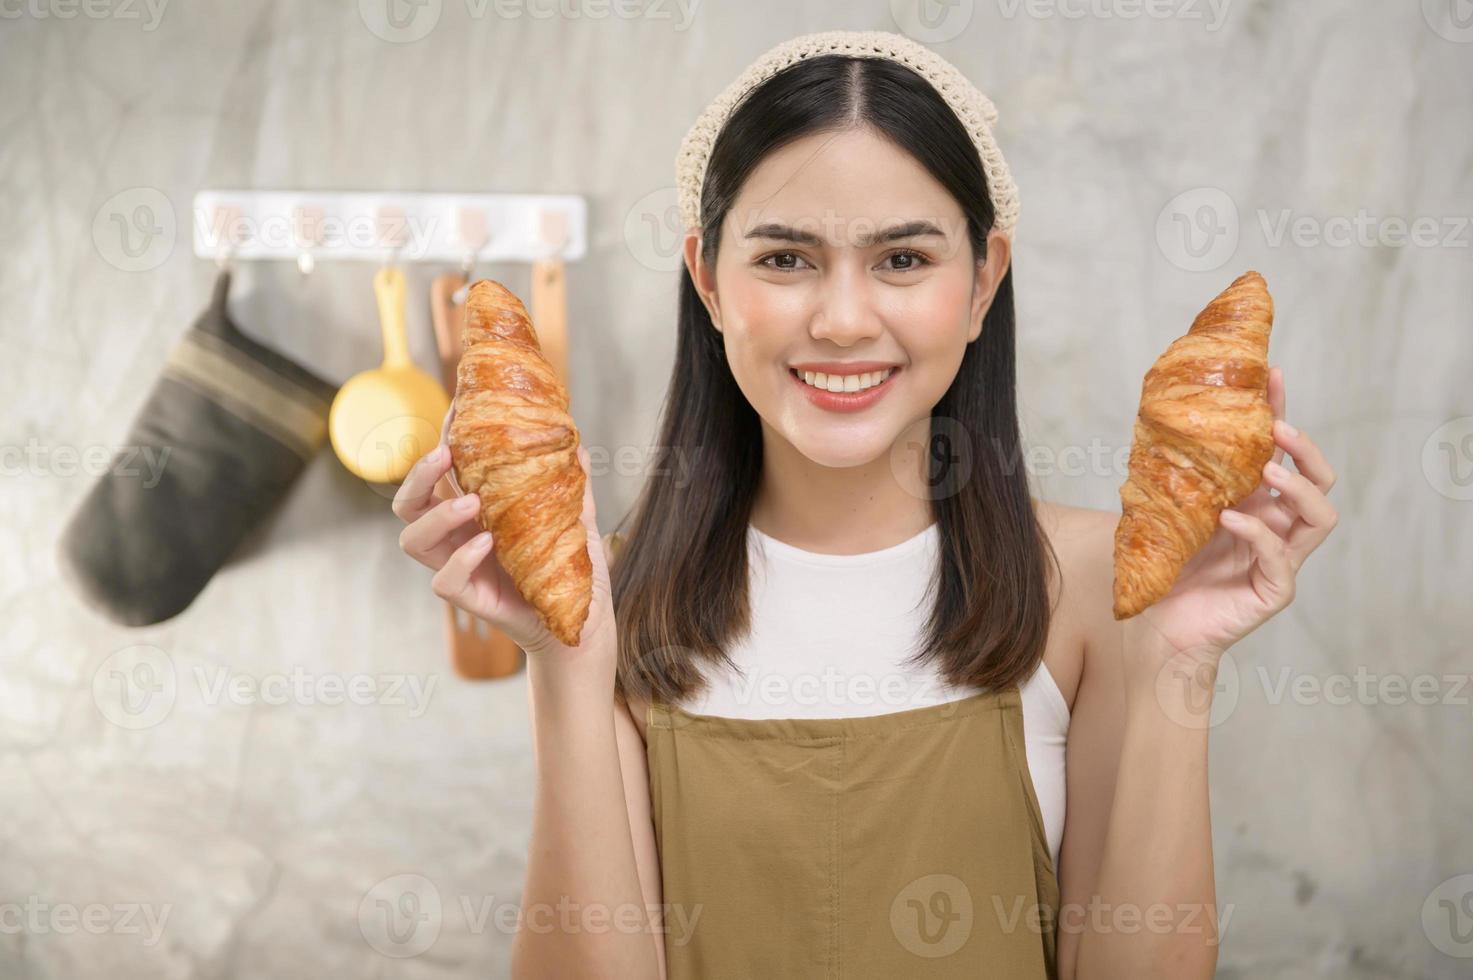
[844,401]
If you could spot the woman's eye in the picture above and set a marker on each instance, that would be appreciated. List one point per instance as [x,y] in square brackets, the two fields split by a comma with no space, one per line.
[788,261]
[784,267]
[914,260]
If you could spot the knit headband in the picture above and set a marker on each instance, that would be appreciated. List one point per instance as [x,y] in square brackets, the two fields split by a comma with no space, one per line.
[975,111]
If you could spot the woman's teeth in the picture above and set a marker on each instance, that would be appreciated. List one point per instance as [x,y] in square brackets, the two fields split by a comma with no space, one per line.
[845,382]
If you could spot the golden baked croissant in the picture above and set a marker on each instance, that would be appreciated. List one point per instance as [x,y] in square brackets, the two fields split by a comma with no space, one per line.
[1203,433]
[514,444]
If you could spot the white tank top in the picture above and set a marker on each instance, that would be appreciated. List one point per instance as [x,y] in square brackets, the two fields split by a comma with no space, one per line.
[828,636]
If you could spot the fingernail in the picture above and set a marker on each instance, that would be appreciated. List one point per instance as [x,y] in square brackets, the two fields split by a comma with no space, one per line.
[482,540]
[468,502]
[1276,471]
[1289,429]
[1232,517]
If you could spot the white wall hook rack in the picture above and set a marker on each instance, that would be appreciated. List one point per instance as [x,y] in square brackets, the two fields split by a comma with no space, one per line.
[308,226]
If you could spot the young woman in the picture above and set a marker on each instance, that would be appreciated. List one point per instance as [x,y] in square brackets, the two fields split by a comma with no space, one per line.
[816,725]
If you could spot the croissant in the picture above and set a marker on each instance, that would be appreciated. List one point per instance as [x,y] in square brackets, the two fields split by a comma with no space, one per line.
[1201,437]
[513,443]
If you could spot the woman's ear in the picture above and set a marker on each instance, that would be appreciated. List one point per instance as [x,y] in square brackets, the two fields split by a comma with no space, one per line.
[989,276]
[702,275]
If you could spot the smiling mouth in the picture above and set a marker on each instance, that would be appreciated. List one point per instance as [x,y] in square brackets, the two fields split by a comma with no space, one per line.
[840,384]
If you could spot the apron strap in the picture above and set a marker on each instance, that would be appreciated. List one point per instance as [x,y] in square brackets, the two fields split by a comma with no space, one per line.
[651,706]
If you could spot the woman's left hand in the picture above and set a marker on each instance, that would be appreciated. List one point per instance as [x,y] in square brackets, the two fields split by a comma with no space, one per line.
[1245,572]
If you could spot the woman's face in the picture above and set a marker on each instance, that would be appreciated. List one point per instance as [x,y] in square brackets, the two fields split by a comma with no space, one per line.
[845,265]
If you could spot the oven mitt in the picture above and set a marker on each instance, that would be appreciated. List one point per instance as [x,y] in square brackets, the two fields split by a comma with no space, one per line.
[225,430]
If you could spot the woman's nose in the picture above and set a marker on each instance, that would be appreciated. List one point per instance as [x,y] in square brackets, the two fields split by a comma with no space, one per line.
[845,313]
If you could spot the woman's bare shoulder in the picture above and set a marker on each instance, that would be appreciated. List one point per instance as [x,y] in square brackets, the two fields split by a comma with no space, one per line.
[1084,541]
[1070,527]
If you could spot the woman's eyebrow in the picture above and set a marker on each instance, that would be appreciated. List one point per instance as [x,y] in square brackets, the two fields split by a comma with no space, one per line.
[783,233]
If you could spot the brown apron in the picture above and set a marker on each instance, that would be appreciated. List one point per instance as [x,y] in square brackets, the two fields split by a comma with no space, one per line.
[899,845]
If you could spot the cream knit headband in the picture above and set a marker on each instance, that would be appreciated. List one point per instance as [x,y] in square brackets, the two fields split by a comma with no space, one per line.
[975,110]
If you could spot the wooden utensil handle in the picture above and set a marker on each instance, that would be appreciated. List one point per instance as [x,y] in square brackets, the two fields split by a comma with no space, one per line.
[447,319]
[487,653]
[550,313]
[389,288]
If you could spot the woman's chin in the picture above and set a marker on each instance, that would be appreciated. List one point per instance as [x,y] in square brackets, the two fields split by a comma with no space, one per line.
[842,450]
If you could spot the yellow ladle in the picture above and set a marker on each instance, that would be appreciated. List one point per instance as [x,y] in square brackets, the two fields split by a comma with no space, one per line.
[383,420]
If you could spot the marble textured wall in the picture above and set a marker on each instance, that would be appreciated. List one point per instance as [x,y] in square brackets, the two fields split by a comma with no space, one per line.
[1160,148]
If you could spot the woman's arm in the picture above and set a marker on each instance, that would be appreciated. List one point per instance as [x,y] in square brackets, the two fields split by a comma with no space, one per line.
[1154,910]
[583,906]
[1137,896]
[633,762]
[589,868]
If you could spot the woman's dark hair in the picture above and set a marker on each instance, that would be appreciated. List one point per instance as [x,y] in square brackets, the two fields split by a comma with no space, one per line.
[680,574]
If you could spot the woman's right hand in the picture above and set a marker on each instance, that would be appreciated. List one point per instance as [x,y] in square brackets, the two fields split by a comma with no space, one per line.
[444,535]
